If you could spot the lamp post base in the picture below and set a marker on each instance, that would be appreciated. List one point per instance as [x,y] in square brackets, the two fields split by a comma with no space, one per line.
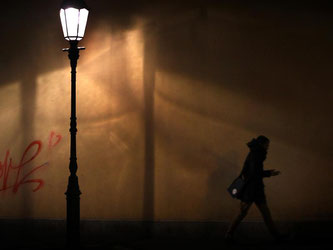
[73,212]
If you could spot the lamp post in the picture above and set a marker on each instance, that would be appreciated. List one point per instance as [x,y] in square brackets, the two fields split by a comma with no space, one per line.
[73,16]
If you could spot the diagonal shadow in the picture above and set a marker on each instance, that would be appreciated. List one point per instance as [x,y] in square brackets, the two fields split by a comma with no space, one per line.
[149,154]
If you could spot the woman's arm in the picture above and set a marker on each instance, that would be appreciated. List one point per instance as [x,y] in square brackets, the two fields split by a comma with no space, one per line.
[267,173]
[271,172]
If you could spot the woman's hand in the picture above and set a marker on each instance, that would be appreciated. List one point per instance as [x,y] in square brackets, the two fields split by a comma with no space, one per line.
[275,172]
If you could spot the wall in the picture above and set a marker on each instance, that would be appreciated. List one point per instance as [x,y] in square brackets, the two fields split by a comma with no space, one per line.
[168,95]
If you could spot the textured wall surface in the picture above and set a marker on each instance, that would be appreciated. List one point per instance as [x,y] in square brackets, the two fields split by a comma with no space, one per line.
[167,96]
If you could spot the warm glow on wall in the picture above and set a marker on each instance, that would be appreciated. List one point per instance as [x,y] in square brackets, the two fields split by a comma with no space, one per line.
[109,109]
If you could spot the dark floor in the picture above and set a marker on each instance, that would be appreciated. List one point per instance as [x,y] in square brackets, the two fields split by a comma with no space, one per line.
[172,244]
[122,235]
[215,244]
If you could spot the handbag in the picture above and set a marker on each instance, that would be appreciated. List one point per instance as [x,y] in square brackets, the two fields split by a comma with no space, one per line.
[236,187]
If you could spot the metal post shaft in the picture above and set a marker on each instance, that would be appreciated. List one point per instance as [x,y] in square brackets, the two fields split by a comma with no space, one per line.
[73,191]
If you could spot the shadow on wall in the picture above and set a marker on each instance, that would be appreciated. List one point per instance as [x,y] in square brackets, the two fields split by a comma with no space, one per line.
[28,100]
[149,88]
[19,64]
[249,72]
[273,62]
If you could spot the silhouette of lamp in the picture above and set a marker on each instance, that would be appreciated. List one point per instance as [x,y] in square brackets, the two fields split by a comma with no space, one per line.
[73,16]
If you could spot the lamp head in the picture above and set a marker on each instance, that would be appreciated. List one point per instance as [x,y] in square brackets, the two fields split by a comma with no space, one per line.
[74,16]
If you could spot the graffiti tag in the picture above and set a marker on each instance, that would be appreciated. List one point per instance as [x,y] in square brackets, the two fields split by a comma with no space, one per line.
[20,177]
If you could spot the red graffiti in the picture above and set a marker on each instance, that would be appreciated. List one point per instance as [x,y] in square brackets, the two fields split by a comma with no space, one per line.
[54,139]
[9,169]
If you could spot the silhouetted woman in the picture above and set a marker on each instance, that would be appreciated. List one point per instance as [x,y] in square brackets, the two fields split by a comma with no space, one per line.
[253,173]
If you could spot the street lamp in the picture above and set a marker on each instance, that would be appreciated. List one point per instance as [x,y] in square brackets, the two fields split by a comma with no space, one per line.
[73,16]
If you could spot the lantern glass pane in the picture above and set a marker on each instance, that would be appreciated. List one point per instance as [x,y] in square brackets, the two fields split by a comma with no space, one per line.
[63,22]
[72,20]
[82,22]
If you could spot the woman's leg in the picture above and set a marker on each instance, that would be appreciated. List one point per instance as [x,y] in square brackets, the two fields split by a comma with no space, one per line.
[266,214]
[244,208]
